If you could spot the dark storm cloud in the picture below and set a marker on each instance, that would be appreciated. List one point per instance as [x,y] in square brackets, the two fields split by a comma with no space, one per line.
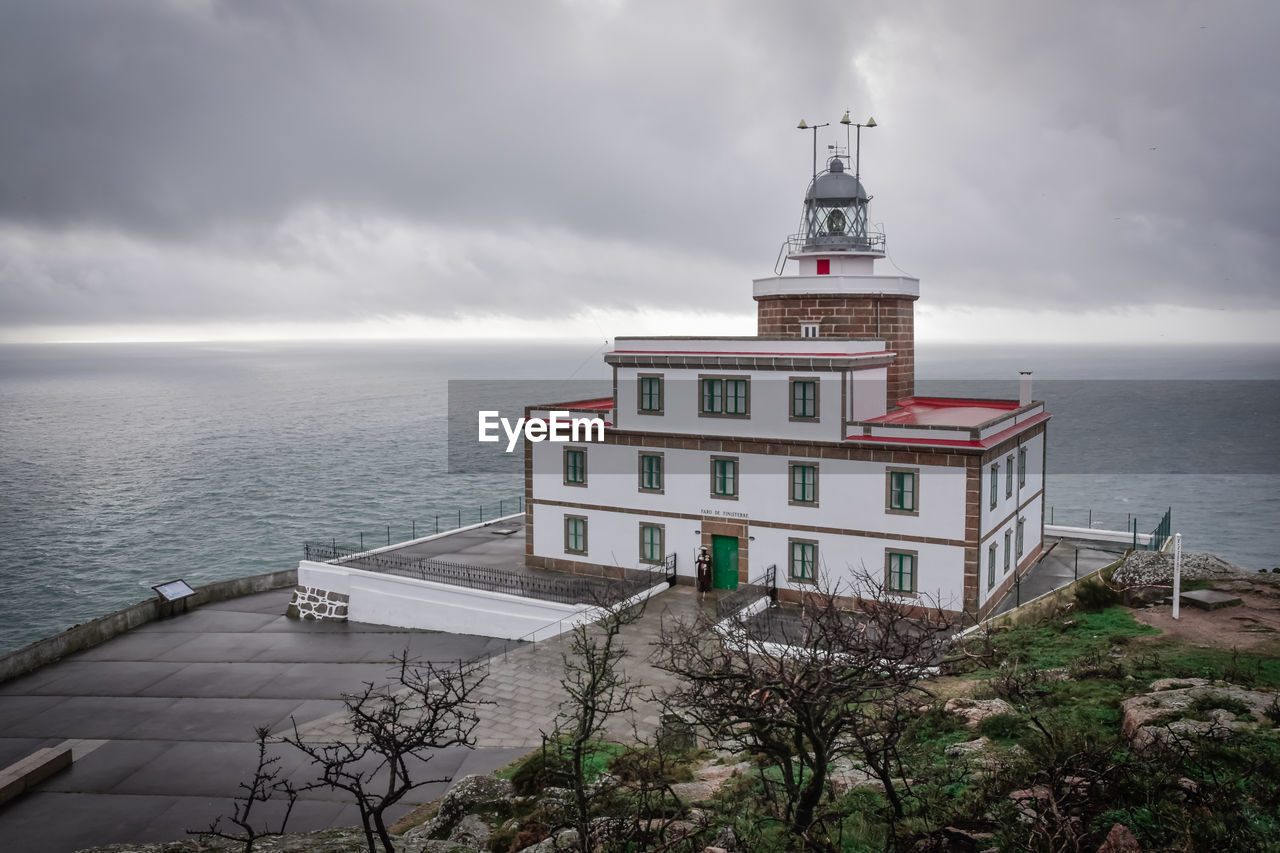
[194,161]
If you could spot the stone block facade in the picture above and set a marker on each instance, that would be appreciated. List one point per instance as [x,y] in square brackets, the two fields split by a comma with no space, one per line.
[891,318]
[315,604]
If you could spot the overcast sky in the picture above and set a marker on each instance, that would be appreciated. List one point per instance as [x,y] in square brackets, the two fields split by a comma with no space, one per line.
[586,168]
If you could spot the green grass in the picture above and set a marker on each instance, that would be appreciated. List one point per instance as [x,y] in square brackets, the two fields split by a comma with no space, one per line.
[1164,659]
[1065,640]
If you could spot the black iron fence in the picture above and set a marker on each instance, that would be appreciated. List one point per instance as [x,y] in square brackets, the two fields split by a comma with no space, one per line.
[764,585]
[1161,534]
[566,589]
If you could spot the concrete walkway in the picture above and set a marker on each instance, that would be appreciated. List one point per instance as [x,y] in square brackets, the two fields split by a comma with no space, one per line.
[1065,560]
[524,688]
[164,717]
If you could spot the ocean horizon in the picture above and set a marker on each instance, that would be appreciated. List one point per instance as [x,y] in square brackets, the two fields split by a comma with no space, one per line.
[127,465]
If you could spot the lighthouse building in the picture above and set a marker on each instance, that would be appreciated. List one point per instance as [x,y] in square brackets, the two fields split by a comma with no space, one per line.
[804,447]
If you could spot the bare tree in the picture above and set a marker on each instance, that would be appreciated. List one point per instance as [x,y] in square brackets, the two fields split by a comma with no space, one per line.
[262,787]
[393,726]
[831,684]
[596,690]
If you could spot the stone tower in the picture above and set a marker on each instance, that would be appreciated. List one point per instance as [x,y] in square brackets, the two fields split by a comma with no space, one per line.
[835,292]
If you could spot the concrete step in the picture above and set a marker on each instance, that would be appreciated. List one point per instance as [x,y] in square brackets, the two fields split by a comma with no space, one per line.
[32,770]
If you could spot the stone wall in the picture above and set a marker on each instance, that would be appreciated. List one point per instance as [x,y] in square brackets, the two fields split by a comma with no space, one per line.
[890,318]
[90,634]
[314,604]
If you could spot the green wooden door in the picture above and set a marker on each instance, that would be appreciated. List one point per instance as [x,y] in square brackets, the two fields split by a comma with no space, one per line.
[724,562]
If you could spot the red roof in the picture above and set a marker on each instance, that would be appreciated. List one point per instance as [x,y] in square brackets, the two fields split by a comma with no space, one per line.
[602,404]
[945,411]
[989,441]
[770,354]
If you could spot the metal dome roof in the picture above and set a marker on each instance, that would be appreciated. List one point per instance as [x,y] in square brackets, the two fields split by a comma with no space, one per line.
[836,187]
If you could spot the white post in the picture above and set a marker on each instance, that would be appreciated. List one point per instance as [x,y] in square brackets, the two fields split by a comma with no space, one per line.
[1177,572]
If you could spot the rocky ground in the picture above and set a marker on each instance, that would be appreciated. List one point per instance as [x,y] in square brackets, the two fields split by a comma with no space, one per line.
[1143,568]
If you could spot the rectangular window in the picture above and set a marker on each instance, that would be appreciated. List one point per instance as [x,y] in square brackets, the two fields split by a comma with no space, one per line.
[995,484]
[824,266]
[900,571]
[650,390]
[991,566]
[1021,526]
[902,491]
[804,399]
[804,561]
[575,534]
[804,483]
[575,466]
[808,330]
[651,544]
[1008,476]
[724,477]
[1007,549]
[1022,467]
[727,397]
[651,472]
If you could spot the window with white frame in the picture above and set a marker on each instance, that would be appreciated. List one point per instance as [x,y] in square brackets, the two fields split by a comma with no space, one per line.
[575,466]
[804,483]
[651,472]
[1007,536]
[804,399]
[724,396]
[1022,523]
[649,388]
[995,484]
[1022,467]
[575,534]
[991,566]
[724,477]
[901,491]
[900,572]
[808,330]
[651,543]
[804,560]
[1008,476]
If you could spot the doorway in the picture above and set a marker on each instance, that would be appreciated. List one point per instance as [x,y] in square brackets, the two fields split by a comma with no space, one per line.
[724,562]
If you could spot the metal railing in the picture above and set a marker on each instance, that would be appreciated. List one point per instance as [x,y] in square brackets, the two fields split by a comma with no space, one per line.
[567,589]
[1160,535]
[766,584]
[1070,516]
[441,522]
[872,242]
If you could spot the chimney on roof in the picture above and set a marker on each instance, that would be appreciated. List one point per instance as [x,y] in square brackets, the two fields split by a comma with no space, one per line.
[1024,388]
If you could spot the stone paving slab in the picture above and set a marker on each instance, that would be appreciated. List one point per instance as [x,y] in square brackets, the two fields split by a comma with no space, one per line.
[178,729]
[523,689]
[1209,599]
[102,678]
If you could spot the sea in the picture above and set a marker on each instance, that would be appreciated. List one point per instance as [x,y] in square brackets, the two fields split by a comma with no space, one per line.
[124,466]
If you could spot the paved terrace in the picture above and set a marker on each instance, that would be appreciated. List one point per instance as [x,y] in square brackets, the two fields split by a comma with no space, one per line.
[162,718]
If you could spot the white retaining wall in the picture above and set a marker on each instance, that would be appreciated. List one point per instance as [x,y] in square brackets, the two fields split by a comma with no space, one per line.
[382,599]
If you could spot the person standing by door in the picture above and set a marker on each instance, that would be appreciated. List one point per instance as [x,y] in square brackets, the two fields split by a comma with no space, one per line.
[703,565]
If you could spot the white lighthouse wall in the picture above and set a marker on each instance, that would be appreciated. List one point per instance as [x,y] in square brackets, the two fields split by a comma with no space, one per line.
[613,538]
[1031,515]
[845,562]
[867,393]
[1005,504]
[852,498]
[769,403]
[852,495]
